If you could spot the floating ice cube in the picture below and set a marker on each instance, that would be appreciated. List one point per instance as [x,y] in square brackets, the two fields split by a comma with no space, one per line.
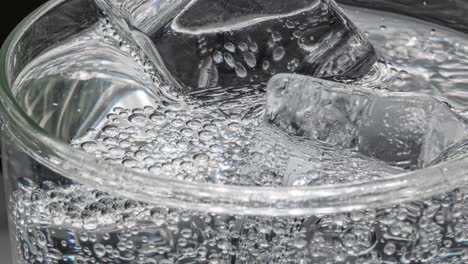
[405,129]
[455,152]
[279,159]
[209,43]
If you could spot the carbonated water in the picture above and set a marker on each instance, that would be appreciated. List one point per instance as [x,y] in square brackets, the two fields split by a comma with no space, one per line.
[107,95]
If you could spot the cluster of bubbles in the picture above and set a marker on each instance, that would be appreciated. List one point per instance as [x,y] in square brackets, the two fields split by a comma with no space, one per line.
[76,224]
[223,143]
[242,56]
[197,146]
[111,34]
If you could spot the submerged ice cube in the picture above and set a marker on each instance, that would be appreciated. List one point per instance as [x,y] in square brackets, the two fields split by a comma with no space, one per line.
[415,127]
[209,43]
[404,129]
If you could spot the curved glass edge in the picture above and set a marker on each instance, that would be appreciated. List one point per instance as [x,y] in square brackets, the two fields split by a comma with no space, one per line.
[283,201]
[451,13]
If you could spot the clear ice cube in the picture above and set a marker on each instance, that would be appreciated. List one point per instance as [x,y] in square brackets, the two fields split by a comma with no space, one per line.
[403,129]
[305,162]
[209,43]
[457,151]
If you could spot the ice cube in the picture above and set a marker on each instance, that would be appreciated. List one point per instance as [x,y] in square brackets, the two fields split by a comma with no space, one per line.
[209,43]
[457,151]
[404,129]
[279,159]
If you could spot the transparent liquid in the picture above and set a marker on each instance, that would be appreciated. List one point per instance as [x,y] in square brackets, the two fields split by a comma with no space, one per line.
[218,136]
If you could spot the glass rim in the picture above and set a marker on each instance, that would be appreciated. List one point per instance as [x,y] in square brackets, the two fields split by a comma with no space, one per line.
[244,200]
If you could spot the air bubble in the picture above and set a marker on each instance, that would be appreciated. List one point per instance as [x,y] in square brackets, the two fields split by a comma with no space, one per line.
[241,71]
[137,119]
[250,59]
[99,250]
[389,249]
[230,47]
[229,59]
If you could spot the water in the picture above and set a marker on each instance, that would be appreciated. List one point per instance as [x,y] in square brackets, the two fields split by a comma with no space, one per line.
[76,224]
[115,104]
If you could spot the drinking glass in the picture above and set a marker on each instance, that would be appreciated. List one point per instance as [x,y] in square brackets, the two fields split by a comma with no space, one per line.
[68,207]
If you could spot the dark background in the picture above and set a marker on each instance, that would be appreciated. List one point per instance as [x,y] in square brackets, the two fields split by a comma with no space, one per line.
[14,13]
[11,14]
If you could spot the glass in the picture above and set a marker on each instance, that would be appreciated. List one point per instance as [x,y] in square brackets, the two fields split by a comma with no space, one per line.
[420,214]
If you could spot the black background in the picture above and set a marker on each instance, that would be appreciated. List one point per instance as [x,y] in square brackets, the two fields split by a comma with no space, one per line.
[13,11]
